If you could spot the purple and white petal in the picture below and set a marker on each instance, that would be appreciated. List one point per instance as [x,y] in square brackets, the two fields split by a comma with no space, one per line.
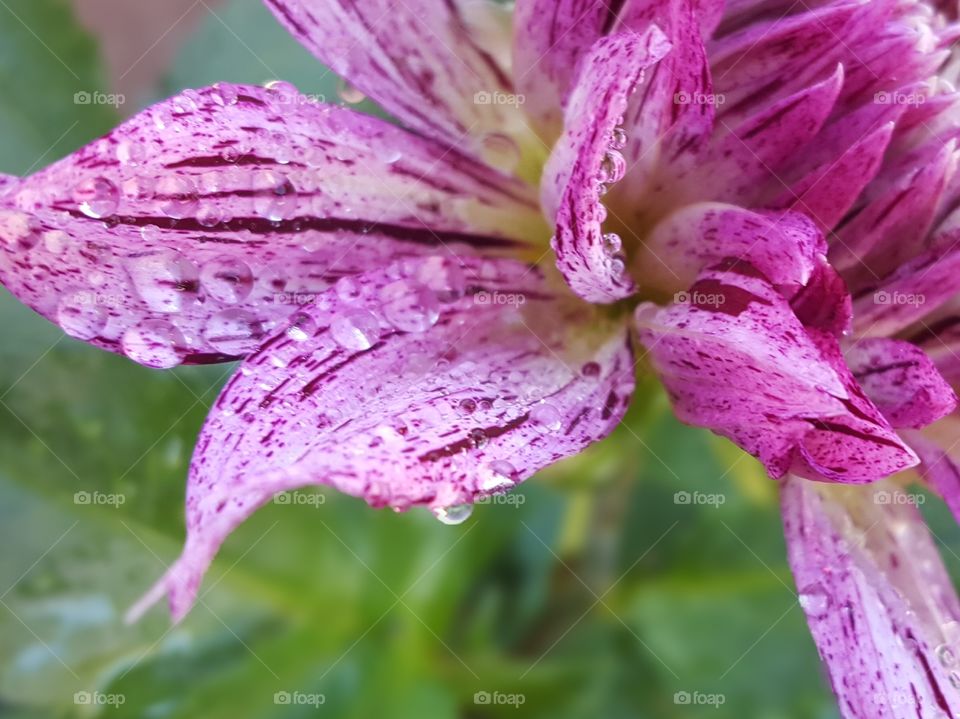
[901,381]
[735,359]
[424,384]
[190,231]
[880,604]
[433,65]
[588,158]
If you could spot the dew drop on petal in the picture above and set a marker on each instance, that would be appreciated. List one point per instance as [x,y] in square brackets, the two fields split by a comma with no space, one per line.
[166,281]
[154,343]
[590,369]
[410,306]
[444,276]
[130,153]
[275,198]
[234,332]
[945,655]
[81,315]
[348,93]
[815,601]
[954,678]
[467,407]
[226,279]
[177,195]
[612,167]
[347,289]
[500,151]
[456,514]
[224,94]
[97,197]
[497,476]
[618,138]
[612,243]
[355,329]
[301,328]
[546,418]
[230,154]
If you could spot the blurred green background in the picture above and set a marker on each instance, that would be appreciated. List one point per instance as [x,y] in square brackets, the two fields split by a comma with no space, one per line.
[598,593]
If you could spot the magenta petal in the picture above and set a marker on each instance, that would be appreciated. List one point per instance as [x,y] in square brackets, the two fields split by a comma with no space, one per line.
[735,359]
[880,605]
[940,465]
[190,231]
[405,387]
[587,157]
[440,67]
[901,381]
[785,247]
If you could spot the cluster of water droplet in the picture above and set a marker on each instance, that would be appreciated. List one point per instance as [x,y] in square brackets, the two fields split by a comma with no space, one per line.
[613,167]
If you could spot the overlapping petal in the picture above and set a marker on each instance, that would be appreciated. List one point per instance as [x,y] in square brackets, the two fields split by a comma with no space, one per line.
[190,231]
[735,358]
[879,602]
[587,158]
[437,66]
[426,383]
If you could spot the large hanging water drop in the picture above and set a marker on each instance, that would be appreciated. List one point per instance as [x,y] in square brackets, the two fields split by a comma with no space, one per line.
[456,514]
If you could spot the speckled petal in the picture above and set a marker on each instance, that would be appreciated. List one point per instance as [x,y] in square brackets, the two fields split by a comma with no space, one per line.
[443,68]
[587,158]
[784,246]
[735,359]
[190,231]
[880,604]
[901,381]
[415,390]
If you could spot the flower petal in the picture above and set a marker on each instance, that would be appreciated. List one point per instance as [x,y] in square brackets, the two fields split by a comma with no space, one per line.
[735,359]
[191,230]
[784,247]
[403,399]
[901,381]
[427,63]
[587,157]
[879,602]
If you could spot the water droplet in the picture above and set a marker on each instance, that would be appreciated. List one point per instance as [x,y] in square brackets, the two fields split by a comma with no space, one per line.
[347,289]
[444,277]
[348,93]
[166,281]
[611,243]
[177,195]
[230,154]
[275,198]
[209,215]
[19,228]
[150,233]
[226,279]
[302,327]
[590,369]
[97,197]
[499,475]
[815,601]
[500,151]
[154,343]
[945,655]
[546,418]
[467,407]
[224,94]
[234,332]
[130,153]
[478,438]
[618,138]
[954,678]
[612,168]
[282,91]
[456,514]
[389,155]
[55,241]
[618,265]
[82,315]
[409,306]
[355,329]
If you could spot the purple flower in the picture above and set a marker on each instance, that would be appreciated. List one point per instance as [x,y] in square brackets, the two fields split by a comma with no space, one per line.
[756,198]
